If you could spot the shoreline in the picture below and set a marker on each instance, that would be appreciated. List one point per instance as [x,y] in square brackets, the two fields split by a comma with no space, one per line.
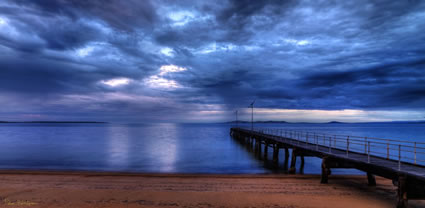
[154,174]
[121,189]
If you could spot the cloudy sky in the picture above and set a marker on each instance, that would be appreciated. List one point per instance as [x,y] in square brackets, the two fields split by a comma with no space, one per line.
[199,61]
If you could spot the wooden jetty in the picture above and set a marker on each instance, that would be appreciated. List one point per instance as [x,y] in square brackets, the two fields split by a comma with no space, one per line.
[401,161]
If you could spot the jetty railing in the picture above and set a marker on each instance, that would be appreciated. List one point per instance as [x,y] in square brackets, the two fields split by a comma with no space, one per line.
[390,149]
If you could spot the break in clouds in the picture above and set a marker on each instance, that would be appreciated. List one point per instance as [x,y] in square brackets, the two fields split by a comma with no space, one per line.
[174,61]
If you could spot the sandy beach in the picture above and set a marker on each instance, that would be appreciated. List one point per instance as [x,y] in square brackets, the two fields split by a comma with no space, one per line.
[47,189]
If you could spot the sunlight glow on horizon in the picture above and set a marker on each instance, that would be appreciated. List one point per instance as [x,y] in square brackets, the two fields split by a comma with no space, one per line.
[346,115]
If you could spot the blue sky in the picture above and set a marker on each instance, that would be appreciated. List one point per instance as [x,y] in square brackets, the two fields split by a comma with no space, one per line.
[199,61]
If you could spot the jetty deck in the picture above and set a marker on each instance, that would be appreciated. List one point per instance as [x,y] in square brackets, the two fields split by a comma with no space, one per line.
[400,161]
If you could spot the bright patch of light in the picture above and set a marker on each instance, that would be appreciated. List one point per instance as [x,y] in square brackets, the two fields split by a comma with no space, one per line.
[165,69]
[118,146]
[2,21]
[167,51]
[10,31]
[251,48]
[156,81]
[230,47]
[297,42]
[209,49]
[214,47]
[116,82]
[181,18]
[159,81]
[85,51]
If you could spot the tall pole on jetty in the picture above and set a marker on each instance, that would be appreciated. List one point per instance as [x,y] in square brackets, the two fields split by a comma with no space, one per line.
[252,115]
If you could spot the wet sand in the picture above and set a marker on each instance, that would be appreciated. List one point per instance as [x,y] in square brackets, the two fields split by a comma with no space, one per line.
[47,189]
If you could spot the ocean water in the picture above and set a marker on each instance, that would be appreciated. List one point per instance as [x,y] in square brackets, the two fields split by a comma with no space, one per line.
[161,148]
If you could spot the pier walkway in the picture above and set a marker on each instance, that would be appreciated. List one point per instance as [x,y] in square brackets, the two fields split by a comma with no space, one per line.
[401,161]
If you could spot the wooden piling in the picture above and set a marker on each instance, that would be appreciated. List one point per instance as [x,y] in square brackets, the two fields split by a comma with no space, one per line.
[285,164]
[292,169]
[371,179]
[255,146]
[266,149]
[275,154]
[259,148]
[302,164]
[402,192]
[325,171]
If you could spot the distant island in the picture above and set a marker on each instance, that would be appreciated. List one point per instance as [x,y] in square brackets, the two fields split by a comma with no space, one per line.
[257,122]
[96,122]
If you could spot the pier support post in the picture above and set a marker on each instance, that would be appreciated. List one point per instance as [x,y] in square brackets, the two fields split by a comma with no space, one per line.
[402,192]
[249,143]
[293,169]
[302,164]
[325,171]
[259,148]
[275,154]
[371,179]
[256,146]
[285,164]
[266,150]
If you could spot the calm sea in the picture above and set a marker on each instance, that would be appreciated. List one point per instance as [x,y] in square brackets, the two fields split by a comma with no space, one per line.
[159,148]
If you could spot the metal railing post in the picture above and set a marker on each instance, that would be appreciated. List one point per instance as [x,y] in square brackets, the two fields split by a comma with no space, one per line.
[415,153]
[348,144]
[330,144]
[368,152]
[317,142]
[365,145]
[306,138]
[388,149]
[399,157]
[298,138]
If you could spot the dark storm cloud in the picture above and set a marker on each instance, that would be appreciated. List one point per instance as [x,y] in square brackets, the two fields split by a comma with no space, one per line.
[240,12]
[127,15]
[68,36]
[47,77]
[382,73]
[398,84]
[286,54]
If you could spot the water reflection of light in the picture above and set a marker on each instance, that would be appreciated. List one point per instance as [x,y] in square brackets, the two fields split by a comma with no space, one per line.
[166,148]
[118,147]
